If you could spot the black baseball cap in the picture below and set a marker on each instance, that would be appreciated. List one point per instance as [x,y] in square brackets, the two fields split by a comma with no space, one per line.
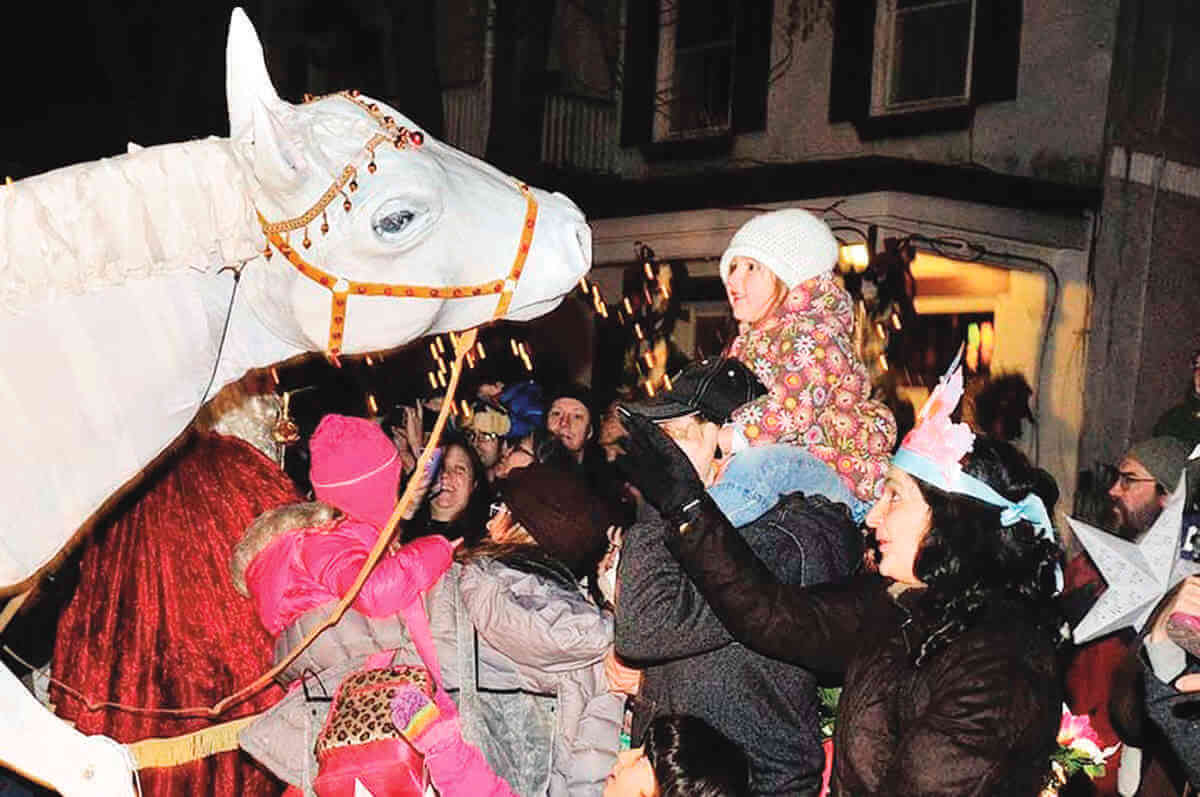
[713,387]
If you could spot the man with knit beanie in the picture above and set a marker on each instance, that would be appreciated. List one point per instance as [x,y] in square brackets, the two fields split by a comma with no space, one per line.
[488,425]
[1102,674]
[569,418]
[1146,476]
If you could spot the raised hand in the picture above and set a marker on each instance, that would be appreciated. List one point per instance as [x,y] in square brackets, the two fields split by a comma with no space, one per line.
[657,467]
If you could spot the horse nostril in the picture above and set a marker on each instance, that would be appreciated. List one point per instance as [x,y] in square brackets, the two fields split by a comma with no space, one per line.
[583,234]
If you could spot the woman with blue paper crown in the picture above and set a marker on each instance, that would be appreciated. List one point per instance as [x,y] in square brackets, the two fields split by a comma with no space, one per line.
[948,654]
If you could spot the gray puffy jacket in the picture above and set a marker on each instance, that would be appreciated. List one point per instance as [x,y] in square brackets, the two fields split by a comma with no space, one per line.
[535,701]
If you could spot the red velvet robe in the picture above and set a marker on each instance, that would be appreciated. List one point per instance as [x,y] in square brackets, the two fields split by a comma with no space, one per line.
[156,621]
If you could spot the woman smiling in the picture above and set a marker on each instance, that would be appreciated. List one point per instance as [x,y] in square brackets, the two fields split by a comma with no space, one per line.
[951,682]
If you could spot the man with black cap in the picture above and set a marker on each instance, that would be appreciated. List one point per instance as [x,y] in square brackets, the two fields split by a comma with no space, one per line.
[569,418]
[691,664]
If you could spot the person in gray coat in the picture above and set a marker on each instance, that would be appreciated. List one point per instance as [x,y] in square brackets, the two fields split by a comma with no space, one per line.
[520,645]
[551,726]
[663,625]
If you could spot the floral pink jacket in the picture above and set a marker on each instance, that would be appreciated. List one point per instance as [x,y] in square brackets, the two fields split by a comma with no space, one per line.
[818,392]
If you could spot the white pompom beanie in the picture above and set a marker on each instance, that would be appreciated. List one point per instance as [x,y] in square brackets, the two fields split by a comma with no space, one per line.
[793,243]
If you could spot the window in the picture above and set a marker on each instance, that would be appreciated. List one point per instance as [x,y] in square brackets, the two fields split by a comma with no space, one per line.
[695,68]
[902,67]
[695,74]
[922,55]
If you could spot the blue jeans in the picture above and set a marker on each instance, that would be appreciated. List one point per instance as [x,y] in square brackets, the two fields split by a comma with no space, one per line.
[757,478]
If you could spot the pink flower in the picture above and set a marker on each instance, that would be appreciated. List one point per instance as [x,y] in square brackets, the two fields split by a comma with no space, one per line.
[843,424]
[1076,726]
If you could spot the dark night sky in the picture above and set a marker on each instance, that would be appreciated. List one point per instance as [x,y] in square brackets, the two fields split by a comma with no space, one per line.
[83,78]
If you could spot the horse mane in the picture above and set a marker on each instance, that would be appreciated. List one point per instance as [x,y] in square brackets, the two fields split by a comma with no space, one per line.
[151,212]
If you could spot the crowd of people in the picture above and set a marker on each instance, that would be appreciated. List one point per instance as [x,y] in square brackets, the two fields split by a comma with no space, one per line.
[644,598]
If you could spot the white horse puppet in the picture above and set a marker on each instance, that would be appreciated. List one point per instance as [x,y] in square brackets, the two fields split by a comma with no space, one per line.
[120,316]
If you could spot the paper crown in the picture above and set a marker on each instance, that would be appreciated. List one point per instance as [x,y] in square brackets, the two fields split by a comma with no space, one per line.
[933,450]
[935,436]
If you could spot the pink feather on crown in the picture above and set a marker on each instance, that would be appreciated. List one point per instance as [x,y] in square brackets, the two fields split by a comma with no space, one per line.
[935,436]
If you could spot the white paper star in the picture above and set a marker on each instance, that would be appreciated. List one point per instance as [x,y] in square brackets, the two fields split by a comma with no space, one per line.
[1138,574]
[360,790]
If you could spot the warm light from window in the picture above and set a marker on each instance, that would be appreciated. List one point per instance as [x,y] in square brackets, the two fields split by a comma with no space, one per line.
[987,342]
[973,347]
[854,257]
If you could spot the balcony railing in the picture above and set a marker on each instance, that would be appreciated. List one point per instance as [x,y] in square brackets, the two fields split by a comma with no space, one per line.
[580,134]
[467,116]
[577,133]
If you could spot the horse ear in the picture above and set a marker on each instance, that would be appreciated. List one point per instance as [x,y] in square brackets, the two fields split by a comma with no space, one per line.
[255,110]
[247,83]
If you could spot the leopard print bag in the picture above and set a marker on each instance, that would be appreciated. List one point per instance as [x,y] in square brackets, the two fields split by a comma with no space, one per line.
[359,742]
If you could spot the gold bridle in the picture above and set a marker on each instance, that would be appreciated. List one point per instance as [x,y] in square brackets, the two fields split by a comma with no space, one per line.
[341,288]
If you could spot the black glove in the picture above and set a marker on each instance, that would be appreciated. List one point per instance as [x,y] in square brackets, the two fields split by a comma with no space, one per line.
[657,467]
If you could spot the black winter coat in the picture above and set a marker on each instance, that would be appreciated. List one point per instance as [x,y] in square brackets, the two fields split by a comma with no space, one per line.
[979,717]
[693,666]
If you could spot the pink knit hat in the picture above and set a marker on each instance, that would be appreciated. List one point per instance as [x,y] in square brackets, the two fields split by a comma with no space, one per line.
[355,467]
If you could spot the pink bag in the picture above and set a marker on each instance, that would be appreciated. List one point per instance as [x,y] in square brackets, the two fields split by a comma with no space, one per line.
[359,741]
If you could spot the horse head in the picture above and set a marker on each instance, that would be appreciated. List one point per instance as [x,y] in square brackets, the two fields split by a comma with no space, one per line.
[386,234]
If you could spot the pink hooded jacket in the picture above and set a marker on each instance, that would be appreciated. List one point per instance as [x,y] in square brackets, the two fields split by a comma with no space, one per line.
[355,468]
[310,567]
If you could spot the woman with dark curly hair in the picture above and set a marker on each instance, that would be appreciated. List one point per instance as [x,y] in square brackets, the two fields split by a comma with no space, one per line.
[949,653]
[680,756]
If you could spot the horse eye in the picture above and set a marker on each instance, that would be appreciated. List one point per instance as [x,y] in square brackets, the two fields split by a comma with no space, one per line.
[393,223]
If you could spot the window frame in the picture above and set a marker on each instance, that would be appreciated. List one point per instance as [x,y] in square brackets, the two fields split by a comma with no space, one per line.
[642,100]
[885,61]
[994,73]
[667,76]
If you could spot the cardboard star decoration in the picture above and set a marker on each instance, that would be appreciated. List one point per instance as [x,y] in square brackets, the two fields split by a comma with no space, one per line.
[1138,574]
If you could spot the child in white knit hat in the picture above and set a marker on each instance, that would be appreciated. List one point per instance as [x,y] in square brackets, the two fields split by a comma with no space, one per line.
[796,328]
